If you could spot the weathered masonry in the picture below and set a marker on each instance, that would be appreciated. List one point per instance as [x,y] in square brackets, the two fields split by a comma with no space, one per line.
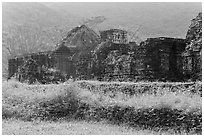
[116,36]
[110,56]
[64,57]
[41,58]
[154,59]
[193,54]
[58,59]
[163,57]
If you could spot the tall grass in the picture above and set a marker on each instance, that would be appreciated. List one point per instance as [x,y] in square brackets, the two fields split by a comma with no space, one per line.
[138,88]
[162,110]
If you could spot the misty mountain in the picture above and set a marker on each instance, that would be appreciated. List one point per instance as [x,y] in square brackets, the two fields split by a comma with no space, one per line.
[35,14]
[152,19]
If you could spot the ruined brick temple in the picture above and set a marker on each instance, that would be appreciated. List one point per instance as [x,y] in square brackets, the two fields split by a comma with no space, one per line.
[110,56]
[115,36]
[154,59]
[163,57]
[193,53]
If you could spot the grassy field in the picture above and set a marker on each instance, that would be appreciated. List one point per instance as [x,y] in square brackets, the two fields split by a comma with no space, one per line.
[19,127]
[151,108]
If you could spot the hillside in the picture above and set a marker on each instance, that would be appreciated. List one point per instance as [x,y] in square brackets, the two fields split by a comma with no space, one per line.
[154,19]
[36,14]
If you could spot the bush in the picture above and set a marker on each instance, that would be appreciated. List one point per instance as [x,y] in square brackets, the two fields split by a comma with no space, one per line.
[169,110]
[140,88]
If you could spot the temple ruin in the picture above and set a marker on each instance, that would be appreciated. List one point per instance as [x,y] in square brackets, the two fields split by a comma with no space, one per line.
[110,56]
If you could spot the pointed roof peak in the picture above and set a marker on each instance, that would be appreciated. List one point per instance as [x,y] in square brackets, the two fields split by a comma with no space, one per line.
[81,36]
[83,26]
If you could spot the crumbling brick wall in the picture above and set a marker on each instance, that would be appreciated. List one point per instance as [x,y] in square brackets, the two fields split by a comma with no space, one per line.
[36,65]
[115,36]
[154,59]
[192,57]
[111,60]
[163,58]
[15,64]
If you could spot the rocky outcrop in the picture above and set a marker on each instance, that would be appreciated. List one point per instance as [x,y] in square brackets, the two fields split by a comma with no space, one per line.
[193,54]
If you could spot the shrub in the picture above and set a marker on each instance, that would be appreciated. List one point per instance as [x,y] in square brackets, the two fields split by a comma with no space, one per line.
[162,110]
[140,88]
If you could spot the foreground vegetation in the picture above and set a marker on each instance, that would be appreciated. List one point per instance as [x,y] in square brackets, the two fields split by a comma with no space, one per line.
[153,106]
[62,127]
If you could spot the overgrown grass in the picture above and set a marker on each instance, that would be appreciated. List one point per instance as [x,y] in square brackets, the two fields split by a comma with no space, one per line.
[61,127]
[161,109]
[138,88]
